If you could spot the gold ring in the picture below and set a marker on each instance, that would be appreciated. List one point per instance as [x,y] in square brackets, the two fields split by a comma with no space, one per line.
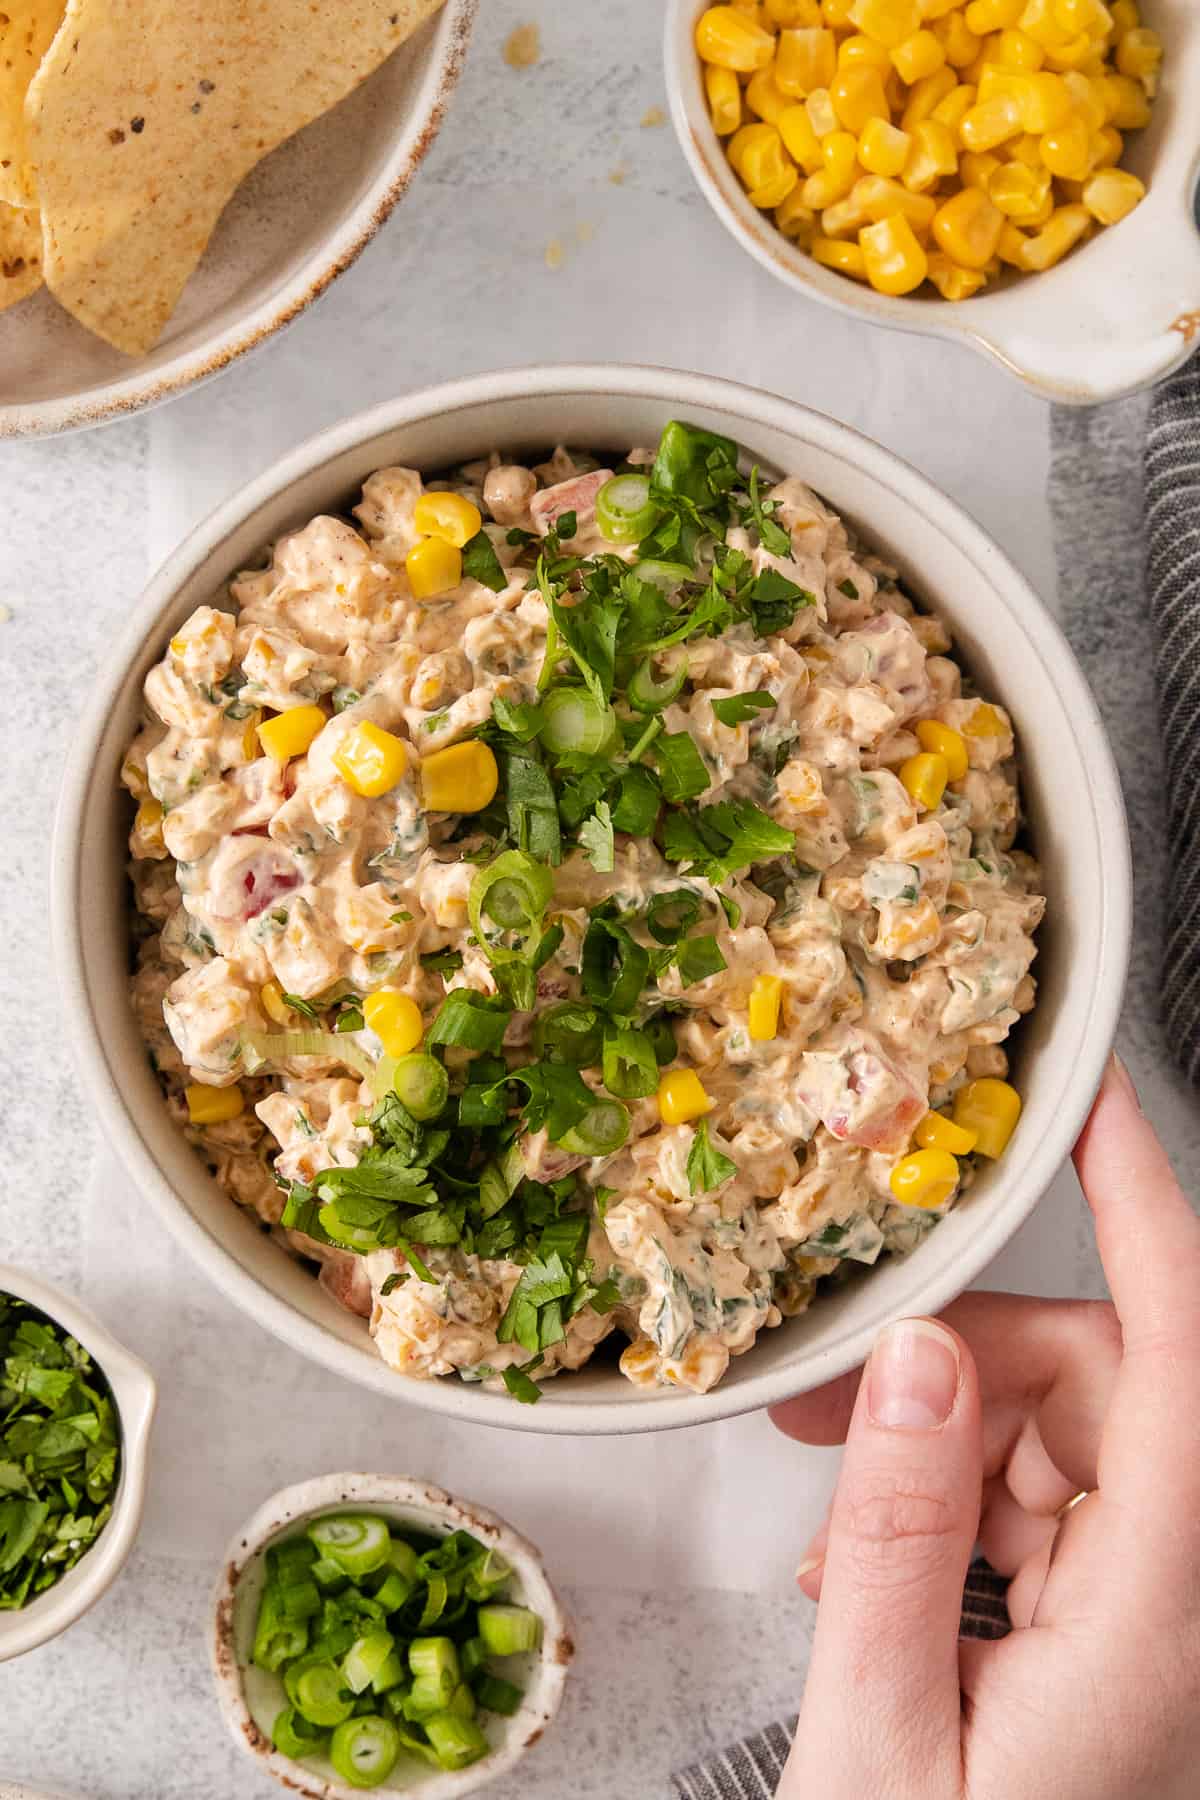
[1072,1503]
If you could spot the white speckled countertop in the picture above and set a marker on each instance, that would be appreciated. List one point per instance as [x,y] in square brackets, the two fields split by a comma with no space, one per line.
[674,1655]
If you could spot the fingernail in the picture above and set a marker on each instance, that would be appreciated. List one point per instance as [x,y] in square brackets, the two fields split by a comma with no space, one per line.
[912,1377]
[1124,1080]
[808,1565]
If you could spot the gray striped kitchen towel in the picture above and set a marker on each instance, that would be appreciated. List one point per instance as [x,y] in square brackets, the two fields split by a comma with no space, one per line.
[750,1770]
[1173,592]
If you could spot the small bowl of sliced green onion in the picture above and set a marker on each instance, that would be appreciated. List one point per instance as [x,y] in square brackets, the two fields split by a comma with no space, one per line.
[75,1416]
[373,1632]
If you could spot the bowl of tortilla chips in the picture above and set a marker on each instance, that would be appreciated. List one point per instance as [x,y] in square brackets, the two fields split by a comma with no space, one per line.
[176,184]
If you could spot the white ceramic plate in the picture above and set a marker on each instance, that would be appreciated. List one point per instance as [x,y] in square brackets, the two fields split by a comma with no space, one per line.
[252,1698]
[134,1396]
[1008,640]
[298,220]
[1117,314]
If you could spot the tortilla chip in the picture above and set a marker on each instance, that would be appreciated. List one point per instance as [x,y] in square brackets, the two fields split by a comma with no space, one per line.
[146,114]
[26,30]
[20,253]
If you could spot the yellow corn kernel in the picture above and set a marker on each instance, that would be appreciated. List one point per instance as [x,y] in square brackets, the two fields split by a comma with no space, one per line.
[1066,150]
[952,282]
[1040,20]
[681,1097]
[1128,107]
[925,776]
[290,733]
[925,95]
[957,104]
[212,1105]
[1017,50]
[924,1178]
[752,9]
[983,16]
[1088,97]
[1019,193]
[433,567]
[1072,55]
[821,116]
[1090,16]
[805,60]
[937,9]
[985,722]
[887,21]
[834,253]
[799,139]
[1043,100]
[724,98]
[250,744]
[939,1132]
[895,92]
[989,123]
[1108,147]
[766,995]
[1125,16]
[1011,248]
[270,998]
[395,1019]
[977,167]
[638,1363]
[857,95]
[961,45]
[462,778]
[990,1109]
[449,516]
[839,154]
[942,740]
[895,261]
[919,56]
[860,49]
[795,220]
[763,95]
[836,12]
[370,760]
[883,199]
[147,823]
[1111,194]
[756,153]
[933,155]
[883,148]
[845,218]
[773,193]
[728,38]
[793,12]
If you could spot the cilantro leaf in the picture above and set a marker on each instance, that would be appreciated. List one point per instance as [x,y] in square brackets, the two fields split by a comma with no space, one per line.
[774,602]
[517,719]
[683,772]
[531,807]
[737,708]
[697,958]
[589,630]
[596,837]
[480,562]
[516,1380]
[772,536]
[707,1167]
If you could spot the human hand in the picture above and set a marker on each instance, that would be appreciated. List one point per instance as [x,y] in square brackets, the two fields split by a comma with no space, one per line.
[1096,1693]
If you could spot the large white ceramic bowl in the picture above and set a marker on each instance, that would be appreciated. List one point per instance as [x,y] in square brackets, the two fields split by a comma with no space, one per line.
[1117,314]
[1005,634]
[134,1396]
[298,220]
[251,1698]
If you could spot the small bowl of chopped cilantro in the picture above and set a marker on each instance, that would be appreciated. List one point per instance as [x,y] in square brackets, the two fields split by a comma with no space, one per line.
[372,1631]
[75,1415]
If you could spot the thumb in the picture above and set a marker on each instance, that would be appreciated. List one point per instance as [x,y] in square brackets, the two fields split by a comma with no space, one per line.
[881,1705]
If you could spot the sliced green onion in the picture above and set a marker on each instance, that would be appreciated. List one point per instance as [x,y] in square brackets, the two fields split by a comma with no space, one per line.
[359,1542]
[364,1751]
[277,1638]
[435,1600]
[292,1735]
[625,512]
[671,916]
[470,1020]
[630,1067]
[650,696]
[615,968]
[462,1702]
[665,576]
[428,1694]
[457,1742]
[393,1591]
[404,1559]
[421,1085]
[486,1578]
[577,723]
[319,1692]
[391,1675]
[568,1032]
[601,1131]
[328,1575]
[508,1630]
[435,1656]
[259,1047]
[365,1658]
[473,1656]
[496,1695]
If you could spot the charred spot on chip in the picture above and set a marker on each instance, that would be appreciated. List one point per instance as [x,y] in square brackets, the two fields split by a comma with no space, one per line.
[138,124]
[14,268]
[206,87]
[196,104]
[116,135]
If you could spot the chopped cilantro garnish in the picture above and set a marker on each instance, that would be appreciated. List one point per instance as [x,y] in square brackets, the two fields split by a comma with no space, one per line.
[707,1167]
[596,837]
[480,562]
[682,770]
[737,708]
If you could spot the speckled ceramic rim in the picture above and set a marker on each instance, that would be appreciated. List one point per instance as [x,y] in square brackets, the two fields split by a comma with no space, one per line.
[134,393]
[1096,813]
[1116,316]
[430,1508]
[135,1395]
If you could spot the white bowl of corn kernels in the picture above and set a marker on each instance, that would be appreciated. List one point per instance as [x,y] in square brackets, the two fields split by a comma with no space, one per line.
[1015,175]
